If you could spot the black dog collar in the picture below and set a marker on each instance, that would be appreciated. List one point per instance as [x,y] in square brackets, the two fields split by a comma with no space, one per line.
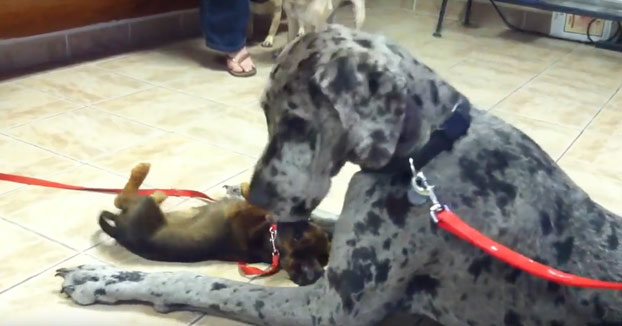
[441,139]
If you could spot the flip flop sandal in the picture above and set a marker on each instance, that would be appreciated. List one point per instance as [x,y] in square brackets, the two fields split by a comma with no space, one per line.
[238,62]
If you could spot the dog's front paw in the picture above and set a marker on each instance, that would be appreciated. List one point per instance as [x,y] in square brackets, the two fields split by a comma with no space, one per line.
[86,284]
[234,191]
[268,42]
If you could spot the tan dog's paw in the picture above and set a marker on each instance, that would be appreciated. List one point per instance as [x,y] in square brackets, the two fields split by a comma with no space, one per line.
[268,42]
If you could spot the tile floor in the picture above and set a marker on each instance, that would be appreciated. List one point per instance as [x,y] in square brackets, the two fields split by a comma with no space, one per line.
[88,124]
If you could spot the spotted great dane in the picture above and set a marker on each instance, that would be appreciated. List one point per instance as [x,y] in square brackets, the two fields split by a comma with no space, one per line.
[344,95]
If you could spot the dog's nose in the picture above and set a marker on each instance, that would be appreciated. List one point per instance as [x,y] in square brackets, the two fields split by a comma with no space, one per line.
[259,193]
[309,276]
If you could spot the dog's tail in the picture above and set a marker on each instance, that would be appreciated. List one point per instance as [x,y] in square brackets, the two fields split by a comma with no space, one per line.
[358,8]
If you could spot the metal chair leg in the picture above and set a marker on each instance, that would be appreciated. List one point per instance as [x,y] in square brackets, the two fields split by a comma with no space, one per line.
[441,17]
[467,13]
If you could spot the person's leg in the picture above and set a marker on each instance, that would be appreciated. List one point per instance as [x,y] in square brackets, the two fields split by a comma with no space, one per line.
[224,24]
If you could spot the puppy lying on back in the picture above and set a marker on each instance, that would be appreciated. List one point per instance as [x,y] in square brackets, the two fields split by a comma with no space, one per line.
[230,229]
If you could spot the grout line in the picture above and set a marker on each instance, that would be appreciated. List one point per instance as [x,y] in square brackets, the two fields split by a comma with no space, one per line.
[177,90]
[43,148]
[551,65]
[39,273]
[174,132]
[197,319]
[45,117]
[8,220]
[619,89]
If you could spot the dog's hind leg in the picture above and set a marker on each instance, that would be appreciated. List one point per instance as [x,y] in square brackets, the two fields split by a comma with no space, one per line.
[130,191]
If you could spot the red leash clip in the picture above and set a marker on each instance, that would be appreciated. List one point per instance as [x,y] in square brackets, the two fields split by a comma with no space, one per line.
[274,267]
[451,223]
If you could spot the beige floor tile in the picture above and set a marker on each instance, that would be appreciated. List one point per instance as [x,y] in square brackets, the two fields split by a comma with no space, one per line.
[599,149]
[525,46]
[482,92]
[178,162]
[83,134]
[601,184]
[554,139]
[556,110]
[574,85]
[20,105]
[29,161]
[215,321]
[221,87]
[162,108]
[609,120]
[501,66]
[84,84]
[241,129]
[16,248]
[594,61]
[158,65]
[441,54]
[39,302]
[69,217]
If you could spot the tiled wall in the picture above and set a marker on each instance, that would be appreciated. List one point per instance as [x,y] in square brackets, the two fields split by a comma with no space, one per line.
[96,40]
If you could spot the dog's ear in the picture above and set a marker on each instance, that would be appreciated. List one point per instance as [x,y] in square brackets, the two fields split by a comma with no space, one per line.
[371,103]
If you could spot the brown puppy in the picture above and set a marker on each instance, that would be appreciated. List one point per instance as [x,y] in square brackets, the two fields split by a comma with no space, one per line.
[230,229]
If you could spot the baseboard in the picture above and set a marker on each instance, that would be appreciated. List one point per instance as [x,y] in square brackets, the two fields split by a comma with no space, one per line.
[97,40]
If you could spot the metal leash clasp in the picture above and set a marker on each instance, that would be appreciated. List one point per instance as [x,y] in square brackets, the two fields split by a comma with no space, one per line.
[273,234]
[421,186]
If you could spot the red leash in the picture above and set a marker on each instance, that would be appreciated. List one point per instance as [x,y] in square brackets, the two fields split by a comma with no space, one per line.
[274,267]
[451,223]
[246,270]
[144,192]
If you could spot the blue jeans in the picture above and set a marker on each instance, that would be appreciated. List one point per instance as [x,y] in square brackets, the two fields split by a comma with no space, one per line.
[224,24]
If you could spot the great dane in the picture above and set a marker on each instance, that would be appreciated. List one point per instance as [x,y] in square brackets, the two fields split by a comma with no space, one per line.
[344,95]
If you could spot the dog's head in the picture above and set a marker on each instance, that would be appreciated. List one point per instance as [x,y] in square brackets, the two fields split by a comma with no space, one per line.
[304,249]
[337,96]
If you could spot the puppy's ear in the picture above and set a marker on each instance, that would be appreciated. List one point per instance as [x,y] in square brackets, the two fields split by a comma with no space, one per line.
[371,103]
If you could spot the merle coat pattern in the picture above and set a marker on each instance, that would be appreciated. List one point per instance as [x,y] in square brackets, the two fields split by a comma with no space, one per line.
[343,95]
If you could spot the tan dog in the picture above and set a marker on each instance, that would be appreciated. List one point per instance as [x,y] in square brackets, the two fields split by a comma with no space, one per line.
[230,229]
[313,15]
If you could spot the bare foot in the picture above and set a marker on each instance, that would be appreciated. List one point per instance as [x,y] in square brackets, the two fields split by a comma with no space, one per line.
[240,64]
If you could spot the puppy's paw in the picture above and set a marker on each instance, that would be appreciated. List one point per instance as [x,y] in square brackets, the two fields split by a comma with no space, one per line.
[140,171]
[234,191]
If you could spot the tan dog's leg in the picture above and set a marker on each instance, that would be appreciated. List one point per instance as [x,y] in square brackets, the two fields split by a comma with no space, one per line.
[130,191]
[274,25]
